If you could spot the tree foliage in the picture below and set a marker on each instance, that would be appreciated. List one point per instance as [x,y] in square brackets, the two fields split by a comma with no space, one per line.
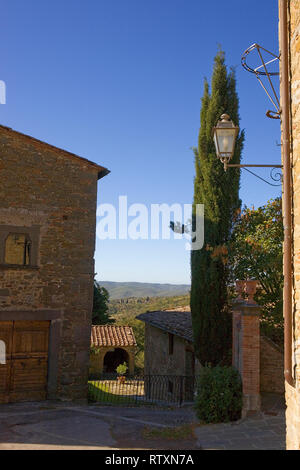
[100,314]
[256,252]
[219,192]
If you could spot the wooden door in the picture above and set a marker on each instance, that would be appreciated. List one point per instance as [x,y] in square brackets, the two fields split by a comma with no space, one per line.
[26,367]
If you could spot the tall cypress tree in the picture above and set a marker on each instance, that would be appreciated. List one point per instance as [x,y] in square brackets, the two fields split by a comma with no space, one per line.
[219,192]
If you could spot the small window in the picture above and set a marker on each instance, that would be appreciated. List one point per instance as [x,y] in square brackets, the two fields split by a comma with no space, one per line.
[17,249]
[19,246]
[171,343]
[170,387]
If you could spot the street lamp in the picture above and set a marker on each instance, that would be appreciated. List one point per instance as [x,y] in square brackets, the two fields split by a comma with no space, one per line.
[225,134]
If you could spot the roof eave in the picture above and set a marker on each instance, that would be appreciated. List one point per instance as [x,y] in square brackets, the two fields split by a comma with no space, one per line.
[103,172]
[165,329]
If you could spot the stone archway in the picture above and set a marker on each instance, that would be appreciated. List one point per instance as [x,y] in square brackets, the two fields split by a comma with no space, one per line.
[113,358]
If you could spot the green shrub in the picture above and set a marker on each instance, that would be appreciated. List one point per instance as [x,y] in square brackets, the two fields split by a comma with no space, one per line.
[122,369]
[94,350]
[219,396]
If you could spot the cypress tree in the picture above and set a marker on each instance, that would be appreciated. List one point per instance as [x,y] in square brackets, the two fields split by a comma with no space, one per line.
[219,192]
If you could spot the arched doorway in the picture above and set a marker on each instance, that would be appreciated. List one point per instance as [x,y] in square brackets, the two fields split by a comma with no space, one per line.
[113,358]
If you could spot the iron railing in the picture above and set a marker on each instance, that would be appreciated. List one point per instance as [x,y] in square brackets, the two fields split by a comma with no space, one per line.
[143,389]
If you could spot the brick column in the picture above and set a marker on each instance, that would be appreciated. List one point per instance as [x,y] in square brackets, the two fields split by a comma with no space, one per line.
[236,338]
[246,351]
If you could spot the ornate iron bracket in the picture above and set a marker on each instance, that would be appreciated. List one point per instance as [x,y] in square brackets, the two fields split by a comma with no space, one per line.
[262,71]
[275,175]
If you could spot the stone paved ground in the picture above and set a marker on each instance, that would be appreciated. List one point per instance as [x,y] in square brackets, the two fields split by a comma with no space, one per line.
[265,431]
[63,426]
[262,432]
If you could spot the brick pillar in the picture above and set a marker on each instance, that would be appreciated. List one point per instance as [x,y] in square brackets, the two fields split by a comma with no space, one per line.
[246,351]
[236,339]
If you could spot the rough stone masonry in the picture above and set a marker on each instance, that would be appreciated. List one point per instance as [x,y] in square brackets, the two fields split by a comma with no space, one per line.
[293,393]
[50,195]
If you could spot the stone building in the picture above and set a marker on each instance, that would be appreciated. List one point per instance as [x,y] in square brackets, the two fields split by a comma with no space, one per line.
[169,352]
[111,345]
[47,240]
[291,8]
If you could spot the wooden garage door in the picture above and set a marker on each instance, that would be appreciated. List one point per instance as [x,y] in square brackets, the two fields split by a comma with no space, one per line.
[24,376]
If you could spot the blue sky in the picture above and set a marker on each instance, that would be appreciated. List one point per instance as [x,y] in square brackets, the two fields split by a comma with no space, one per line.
[120,82]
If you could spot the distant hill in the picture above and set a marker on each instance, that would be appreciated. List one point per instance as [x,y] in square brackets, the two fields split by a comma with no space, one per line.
[124,312]
[121,290]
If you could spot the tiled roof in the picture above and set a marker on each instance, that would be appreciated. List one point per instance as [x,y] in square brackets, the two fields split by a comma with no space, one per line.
[178,322]
[110,335]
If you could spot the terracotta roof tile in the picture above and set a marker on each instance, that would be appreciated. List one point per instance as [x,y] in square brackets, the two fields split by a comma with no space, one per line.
[111,335]
[178,322]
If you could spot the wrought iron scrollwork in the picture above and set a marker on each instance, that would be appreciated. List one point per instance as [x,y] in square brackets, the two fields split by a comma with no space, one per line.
[275,175]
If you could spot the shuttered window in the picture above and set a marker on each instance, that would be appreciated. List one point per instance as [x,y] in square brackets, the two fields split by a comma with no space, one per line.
[17,249]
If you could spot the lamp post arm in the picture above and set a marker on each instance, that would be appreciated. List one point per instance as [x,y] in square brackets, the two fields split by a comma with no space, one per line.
[236,165]
[275,177]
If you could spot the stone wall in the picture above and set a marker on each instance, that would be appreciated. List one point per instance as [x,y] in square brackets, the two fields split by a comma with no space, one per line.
[271,367]
[45,187]
[293,393]
[180,364]
[158,361]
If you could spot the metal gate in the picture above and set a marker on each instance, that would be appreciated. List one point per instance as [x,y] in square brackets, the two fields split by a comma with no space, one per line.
[143,390]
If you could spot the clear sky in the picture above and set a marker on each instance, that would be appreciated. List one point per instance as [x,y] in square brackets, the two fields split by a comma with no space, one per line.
[119,82]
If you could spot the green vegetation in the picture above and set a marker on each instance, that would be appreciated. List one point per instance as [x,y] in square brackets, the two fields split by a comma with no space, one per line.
[185,431]
[219,397]
[122,369]
[100,392]
[121,290]
[256,252]
[113,392]
[124,312]
[95,350]
[219,192]
[100,314]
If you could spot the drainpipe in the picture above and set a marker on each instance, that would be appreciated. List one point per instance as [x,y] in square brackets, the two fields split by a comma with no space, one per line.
[287,196]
